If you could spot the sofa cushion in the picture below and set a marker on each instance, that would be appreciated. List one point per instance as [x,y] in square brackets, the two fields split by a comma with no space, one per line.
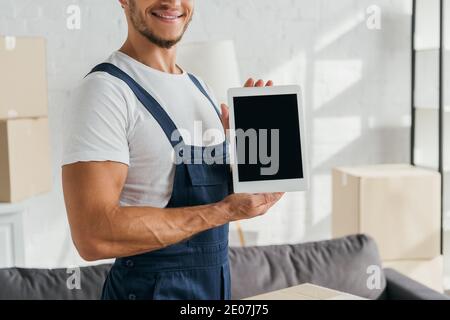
[52,284]
[339,264]
[347,264]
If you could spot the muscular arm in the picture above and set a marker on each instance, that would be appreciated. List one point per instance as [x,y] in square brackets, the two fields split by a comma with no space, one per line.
[102,229]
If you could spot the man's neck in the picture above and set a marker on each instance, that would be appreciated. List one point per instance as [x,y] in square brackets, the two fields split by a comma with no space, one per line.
[151,55]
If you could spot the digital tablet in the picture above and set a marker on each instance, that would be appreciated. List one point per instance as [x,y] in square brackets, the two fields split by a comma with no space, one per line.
[268,150]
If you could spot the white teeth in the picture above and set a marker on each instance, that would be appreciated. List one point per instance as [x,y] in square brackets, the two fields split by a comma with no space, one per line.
[166,17]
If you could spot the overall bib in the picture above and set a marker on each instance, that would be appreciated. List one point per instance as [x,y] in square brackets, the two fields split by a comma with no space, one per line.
[196,268]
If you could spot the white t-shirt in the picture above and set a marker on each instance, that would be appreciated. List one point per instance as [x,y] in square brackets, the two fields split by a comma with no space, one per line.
[106,122]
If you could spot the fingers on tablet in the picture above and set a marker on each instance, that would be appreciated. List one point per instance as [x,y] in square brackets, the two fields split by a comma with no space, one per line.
[249,83]
[259,83]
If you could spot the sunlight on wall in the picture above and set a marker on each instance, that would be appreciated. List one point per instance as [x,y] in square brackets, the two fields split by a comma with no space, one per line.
[339,29]
[321,185]
[339,133]
[333,77]
[384,121]
[290,71]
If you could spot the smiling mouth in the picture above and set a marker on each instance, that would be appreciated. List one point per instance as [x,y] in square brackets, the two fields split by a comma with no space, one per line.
[167,17]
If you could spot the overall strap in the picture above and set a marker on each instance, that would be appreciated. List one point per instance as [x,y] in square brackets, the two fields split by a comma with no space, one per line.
[199,86]
[153,106]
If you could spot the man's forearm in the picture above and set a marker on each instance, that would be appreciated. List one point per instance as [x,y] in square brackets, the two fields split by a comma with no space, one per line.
[128,231]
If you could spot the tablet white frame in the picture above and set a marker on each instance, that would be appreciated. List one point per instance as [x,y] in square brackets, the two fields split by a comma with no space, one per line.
[285,185]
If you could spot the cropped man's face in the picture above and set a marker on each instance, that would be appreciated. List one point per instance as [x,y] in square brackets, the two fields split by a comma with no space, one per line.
[162,22]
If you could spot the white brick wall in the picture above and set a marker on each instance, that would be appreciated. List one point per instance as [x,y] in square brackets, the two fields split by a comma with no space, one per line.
[355,81]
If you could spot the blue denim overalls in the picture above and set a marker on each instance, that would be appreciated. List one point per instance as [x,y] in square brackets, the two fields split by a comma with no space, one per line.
[196,268]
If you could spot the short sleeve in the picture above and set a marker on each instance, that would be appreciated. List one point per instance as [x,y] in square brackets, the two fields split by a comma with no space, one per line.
[95,123]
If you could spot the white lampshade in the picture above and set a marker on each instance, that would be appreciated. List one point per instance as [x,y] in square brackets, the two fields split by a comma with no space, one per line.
[215,62]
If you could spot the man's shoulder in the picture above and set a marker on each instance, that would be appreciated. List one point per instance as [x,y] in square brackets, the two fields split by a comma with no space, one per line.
[102,84]
[102,92]
[101,80]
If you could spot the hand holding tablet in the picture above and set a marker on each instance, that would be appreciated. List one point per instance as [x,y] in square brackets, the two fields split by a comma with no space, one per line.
[268,144]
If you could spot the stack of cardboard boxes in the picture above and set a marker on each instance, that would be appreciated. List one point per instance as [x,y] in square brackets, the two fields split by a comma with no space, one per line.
[399,206]
[24,135]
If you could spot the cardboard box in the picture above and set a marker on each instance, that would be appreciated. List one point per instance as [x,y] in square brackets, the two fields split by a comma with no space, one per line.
[428,272]
[398,205]
[24,158]
[23,81]
[306,291]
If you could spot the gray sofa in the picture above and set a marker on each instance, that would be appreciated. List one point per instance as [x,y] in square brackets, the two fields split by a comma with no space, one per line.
[349,264]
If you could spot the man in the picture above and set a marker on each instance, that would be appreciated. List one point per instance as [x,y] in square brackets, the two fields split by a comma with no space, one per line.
[165,223]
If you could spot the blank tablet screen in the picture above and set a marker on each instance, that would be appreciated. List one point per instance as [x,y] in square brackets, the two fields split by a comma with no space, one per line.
[266,113]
